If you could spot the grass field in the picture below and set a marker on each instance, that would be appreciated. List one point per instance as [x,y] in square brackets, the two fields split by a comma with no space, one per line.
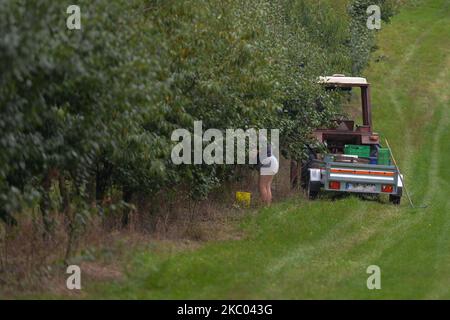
[306,250]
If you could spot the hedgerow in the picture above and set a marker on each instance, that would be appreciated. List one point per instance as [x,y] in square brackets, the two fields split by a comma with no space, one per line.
[91,111]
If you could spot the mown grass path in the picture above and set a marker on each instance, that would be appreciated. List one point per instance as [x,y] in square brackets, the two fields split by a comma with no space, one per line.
[321,249]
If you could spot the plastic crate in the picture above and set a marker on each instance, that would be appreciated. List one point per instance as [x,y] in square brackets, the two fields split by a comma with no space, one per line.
[384,156]
[357,150]
[384,153]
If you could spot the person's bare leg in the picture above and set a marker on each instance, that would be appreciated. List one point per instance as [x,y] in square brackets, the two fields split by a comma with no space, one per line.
[265,189]
[269,190]
[262,189]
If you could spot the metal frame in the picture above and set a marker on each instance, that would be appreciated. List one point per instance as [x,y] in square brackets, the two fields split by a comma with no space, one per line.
[362,180]
[346,133]
[364,133]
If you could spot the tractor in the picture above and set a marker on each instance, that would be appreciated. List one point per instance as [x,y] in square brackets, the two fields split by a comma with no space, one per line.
[354,161]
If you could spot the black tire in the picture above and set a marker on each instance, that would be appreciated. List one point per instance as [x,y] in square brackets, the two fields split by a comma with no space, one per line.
[312,191]
[306,164]
[394,199]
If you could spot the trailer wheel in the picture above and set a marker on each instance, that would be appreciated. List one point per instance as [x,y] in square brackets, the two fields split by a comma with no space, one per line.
[312,190]
[305,165]
[394,199]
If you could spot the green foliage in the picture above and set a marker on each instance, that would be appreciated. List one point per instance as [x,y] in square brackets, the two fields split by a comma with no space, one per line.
[362,40]
[321,250]
[99,105]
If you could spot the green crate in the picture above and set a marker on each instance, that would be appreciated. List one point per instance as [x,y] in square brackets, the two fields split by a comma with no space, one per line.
[384,153]
[384,156]
[357,150]
[384,161]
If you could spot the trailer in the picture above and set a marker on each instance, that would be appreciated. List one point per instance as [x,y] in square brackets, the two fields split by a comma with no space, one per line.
[355,161]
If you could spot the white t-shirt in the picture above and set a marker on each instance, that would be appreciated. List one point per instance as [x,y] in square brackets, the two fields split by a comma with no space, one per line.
[269,166]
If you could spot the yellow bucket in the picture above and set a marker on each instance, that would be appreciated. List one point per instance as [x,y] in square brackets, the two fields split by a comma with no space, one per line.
[243,198]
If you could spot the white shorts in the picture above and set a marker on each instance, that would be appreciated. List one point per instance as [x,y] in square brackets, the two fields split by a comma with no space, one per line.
[269,166]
